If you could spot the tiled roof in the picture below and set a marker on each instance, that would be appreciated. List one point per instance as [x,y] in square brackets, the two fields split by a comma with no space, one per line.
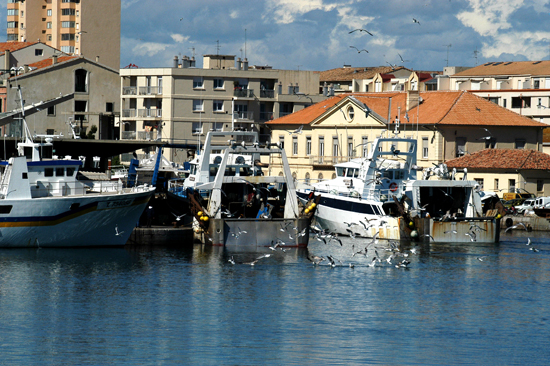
[437,108]
[502,159]
[350,73]
[48,62]
[14,46]
[540,68]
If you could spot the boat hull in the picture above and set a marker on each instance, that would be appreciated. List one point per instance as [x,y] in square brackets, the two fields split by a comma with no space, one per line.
[259,232]
[73,221]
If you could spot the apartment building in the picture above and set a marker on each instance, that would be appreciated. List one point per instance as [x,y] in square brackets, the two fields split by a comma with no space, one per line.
[180,104]
[76,27]
[522,87]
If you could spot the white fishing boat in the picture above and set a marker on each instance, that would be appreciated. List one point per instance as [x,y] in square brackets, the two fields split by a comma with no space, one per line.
[381,195]
[45,203]
[235,202]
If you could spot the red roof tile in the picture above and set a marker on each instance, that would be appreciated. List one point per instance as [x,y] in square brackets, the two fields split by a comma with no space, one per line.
[437,108]
[14,46]
[49,62]
[502,159]
[539,68]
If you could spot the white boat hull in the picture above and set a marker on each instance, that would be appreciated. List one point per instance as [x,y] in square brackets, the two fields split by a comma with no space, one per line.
[94,220]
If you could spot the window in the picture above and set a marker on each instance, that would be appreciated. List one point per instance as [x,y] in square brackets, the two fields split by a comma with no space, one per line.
[511,185]
[364,146]
[38,52]
[218,83]
[536,84]
[281,141]
[14,12]
[217,105]
[504,103]
[424,147]
[460,146]
[81,81]
[198,105]
[321,147]
[50,131]
[109,107]
[49,37]
[197,128]
[480,182]
[67,37]
[350,146]
[521,102]
[351,113]
[67,24]
[294,145]
[335,150]
[496,184]
[308,145]
[520,144]
[67,49]
[80,106]
[48,172]
[49,12]
[217,126]
[51,110]
[198,83]
[490,144]
[68,11]
[59,172]
[12,37]
[13,24]
[70,172]
[540,185]
[49,25]
[493,99]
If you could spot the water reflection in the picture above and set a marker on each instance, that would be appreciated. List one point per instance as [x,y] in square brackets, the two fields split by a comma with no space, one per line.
[190,305]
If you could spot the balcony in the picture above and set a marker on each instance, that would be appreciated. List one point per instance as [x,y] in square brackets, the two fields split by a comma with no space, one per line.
[147,135]
[129,113]
[324,161]
[244,93]
[150,90]
[128,135]
[129,90]
[150,113]
[266,116]
[267,93]
[244,115]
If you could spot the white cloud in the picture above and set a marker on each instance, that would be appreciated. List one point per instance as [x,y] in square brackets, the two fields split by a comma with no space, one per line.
[149,48]
[518,43]
[234,14]
[488,17]
[179,38]
[286,11]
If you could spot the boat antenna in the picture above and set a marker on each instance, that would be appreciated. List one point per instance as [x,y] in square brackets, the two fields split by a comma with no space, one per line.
[26,132]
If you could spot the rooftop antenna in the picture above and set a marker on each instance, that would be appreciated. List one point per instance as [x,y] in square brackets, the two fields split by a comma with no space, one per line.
[245,43]
[218,47]
[448,46]
[192,50]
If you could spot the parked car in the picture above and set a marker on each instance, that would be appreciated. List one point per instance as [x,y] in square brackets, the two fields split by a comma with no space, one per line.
[528,204]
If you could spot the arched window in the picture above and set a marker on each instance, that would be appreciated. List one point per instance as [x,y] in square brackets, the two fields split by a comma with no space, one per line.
[333,175]
[307,178]
[81,81]
[320,177]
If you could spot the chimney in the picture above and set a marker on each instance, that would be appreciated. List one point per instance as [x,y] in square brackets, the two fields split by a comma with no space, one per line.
[176,62]
[97,59]
[280,88]
[325,89]
[25,69]
[331,90]
[54,59]
[238,63]
[245,64]
[192,61]
[290,89]
[413,97]
[7,56]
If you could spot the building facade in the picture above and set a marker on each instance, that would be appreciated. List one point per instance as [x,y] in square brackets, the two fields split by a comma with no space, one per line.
[76,27]
[445,124]
[180,104]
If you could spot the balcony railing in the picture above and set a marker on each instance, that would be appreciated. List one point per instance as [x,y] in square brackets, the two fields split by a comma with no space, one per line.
[128,113]
[266,116]
[128,135]
[150,113]
[244,93]
[282,114]
[150,90]
[244,115]
[329,160]
[129,90]
[147,135]
[267,93]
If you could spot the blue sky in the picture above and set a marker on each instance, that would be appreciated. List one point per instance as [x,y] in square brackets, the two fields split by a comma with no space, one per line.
[314,34]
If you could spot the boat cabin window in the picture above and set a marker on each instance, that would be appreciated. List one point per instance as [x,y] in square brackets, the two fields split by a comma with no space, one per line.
[230,171]
[70,172]
[244,171]
[46,152]
[340,171]
[5,209]
[59,172]
[28,152]
[351,172]
[48,172]
[387,174]
[398,174]
[213,170]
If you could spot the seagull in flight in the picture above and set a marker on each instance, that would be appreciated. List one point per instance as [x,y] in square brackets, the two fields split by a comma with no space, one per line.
[416,21]
[297,131]
[358,50]
[490,136]
[518,225]
[361,30]
[117,233]
[178,218]
[402,58]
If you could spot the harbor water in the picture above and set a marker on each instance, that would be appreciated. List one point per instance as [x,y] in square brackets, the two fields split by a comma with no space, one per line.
[465,303]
